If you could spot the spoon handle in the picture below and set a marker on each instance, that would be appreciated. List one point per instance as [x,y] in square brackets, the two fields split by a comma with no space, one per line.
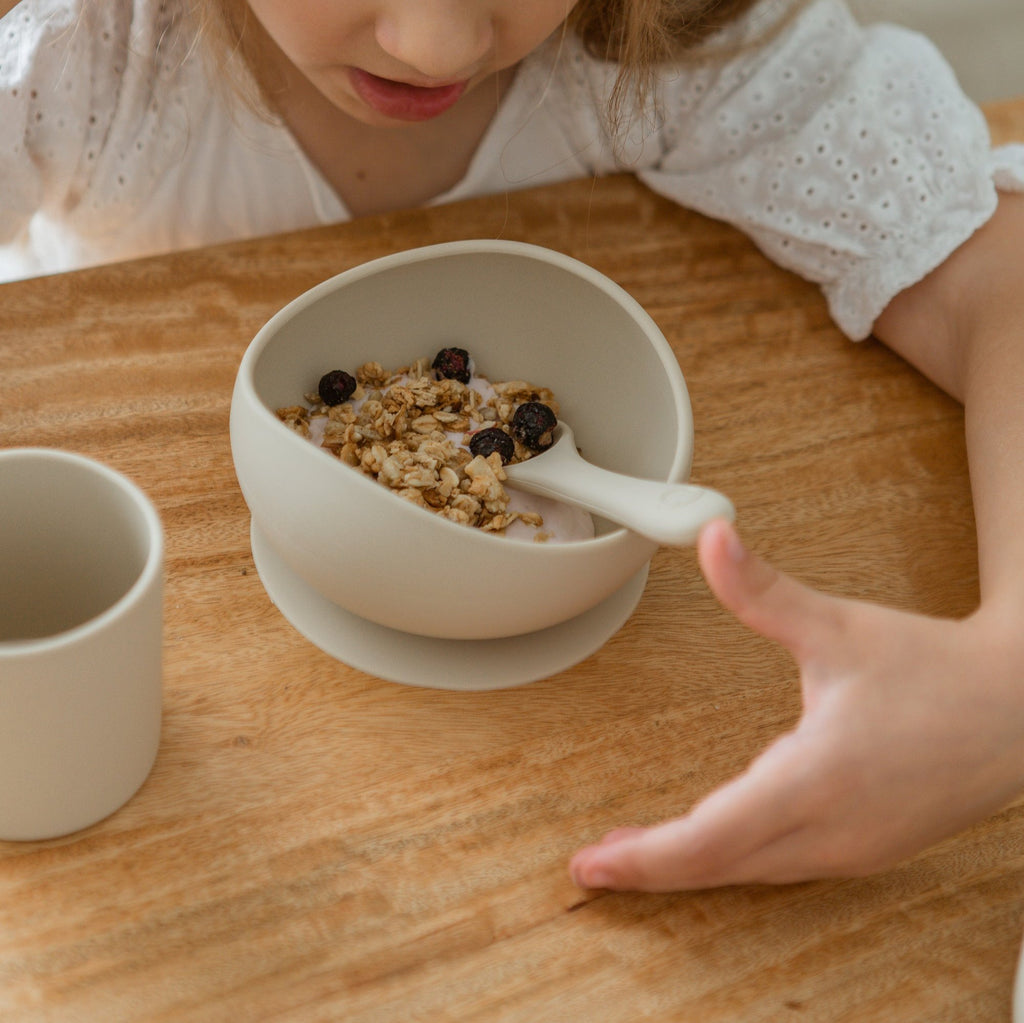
[669,513]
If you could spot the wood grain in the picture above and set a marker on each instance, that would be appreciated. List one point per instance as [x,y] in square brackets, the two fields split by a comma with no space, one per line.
[317,844]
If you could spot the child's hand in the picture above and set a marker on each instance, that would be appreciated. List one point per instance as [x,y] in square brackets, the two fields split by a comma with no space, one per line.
[911,731]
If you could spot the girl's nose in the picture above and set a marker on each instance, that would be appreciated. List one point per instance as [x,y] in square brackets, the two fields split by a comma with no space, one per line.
[445,40]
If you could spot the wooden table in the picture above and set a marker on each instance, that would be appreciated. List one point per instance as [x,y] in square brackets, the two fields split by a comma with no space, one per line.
[317,844]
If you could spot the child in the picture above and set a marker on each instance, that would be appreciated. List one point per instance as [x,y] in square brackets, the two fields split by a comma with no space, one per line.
[848,155]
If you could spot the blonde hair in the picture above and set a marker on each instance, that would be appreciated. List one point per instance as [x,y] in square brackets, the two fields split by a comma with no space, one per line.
[642,35]
[637,35]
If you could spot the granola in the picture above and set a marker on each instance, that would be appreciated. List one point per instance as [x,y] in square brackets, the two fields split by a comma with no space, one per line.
[410,429]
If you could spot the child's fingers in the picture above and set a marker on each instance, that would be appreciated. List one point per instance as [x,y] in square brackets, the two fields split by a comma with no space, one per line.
[729,838]
[763,598]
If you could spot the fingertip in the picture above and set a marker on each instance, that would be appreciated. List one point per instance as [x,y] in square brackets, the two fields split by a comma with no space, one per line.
[719,549]
[588,867]
[586,873]
[622,861]
[724,562]
[601,865]
[761,596]
[716,532]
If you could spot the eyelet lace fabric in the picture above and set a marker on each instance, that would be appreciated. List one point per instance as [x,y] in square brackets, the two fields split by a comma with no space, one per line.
[115,143]
[848,154]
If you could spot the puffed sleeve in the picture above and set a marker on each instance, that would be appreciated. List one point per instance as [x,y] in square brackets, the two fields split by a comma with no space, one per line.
[849,154]
[53,55]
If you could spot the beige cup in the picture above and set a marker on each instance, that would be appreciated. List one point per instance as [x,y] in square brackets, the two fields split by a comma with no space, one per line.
[81,578]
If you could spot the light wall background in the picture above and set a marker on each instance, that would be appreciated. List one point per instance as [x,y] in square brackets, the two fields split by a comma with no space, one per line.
[982,39]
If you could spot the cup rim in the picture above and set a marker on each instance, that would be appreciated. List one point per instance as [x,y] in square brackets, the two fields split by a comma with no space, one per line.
[150,572]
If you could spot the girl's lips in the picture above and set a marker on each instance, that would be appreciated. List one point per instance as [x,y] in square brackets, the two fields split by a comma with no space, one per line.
[404,102]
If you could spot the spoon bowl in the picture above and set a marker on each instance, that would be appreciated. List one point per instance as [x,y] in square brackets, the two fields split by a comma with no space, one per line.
[668,513]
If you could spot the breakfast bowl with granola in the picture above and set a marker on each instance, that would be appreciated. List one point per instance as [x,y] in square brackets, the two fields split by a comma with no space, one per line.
[373,423]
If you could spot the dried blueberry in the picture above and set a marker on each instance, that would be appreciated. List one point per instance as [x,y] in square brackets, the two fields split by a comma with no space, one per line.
[452,363]
[493,439]
[532,425]
[336,387]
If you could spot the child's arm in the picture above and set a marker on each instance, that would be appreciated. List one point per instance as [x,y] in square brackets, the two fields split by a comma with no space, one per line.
[912,727]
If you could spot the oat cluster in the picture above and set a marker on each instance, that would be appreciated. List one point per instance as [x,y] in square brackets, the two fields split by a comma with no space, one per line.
[409,431]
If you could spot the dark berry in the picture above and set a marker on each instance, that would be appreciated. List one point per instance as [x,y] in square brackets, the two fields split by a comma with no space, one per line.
[336,387]
[532,425]
[493,439]
[453,363]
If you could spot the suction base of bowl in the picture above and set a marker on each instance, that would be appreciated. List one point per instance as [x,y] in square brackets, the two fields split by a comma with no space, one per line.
[466,665]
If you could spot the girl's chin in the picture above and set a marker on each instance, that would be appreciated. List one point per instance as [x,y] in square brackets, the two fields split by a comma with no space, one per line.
[398,101]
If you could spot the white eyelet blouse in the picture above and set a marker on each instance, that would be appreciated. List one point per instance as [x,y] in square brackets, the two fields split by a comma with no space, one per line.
[848,154]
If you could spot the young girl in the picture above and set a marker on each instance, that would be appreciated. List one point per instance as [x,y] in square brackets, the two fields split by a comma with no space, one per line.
[849,155]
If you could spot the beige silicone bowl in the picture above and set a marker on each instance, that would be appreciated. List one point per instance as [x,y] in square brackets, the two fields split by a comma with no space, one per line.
[522,312]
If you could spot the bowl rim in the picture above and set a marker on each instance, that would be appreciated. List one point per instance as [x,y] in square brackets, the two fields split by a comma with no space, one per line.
[682,458]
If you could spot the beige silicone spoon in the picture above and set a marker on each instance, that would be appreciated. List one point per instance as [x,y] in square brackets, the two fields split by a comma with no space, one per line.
[670,513]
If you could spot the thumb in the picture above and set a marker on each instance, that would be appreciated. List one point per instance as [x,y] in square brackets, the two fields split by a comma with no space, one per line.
[763,598]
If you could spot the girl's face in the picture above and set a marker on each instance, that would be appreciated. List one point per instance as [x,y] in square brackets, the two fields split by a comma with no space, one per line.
[389,61]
